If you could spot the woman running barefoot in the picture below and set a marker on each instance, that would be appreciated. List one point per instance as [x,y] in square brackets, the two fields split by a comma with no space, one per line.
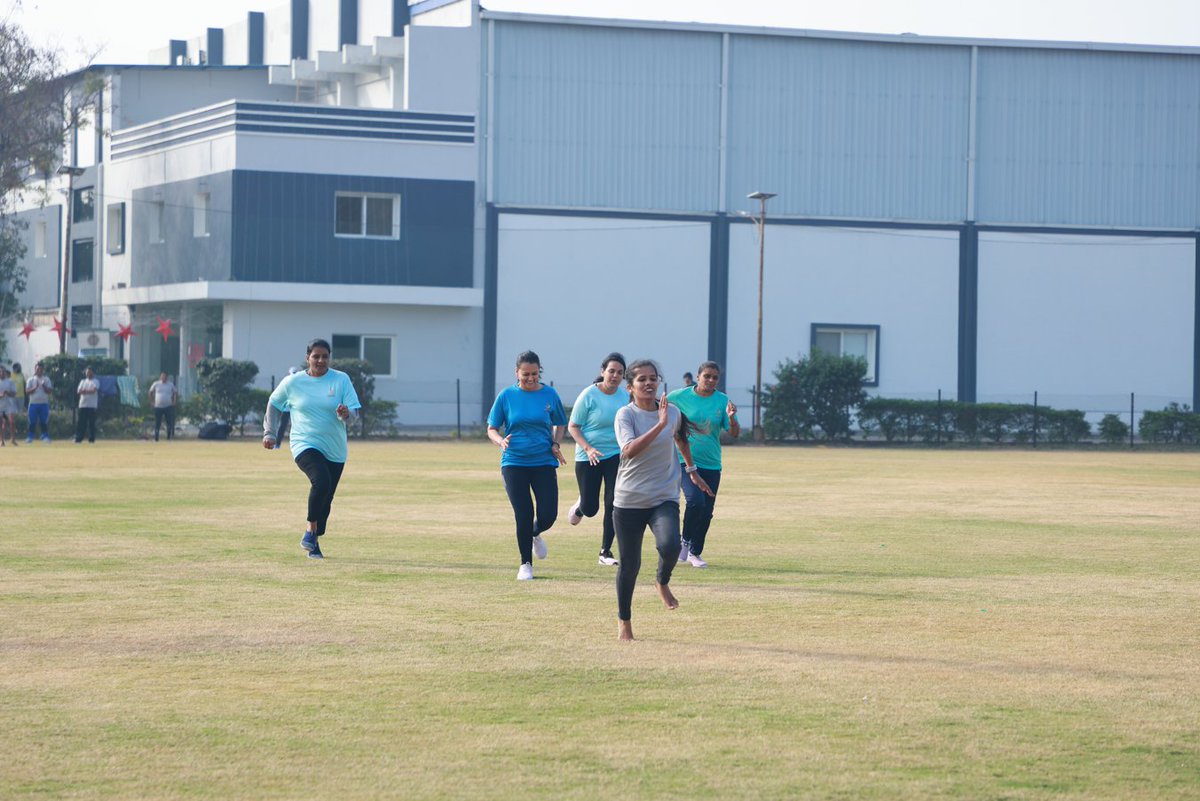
[647,494]
[597,454]
[711,412]
[533,420]
[322,402]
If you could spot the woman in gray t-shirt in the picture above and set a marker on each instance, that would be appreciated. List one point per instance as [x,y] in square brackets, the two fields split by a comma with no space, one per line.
[648,431]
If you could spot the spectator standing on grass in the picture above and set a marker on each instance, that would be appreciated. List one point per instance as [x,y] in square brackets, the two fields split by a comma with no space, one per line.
[37,390]
[597,454]
[164,396]
[322,402]
[8,406]
[89,406]
[533,419]
[711,412]
[649,430]
[19,379]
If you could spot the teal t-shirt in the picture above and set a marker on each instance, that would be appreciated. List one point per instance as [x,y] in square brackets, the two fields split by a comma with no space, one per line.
[529,418]
[708,415]
[596,413]
[313,404]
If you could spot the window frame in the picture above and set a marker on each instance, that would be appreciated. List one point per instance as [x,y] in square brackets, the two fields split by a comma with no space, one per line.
[872,332]
[362,338]
[114,229]
[75,261]
[363,197]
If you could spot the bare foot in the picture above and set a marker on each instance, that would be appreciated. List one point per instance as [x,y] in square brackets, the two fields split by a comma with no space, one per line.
[668,599]
[625,630]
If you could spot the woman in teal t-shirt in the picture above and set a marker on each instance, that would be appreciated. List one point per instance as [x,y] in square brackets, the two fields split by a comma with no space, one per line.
[597,454]
[321,401]
[533,420]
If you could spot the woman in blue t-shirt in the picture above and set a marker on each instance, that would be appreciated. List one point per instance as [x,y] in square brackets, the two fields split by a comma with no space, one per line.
[597,454]
[321,402]
[533,420]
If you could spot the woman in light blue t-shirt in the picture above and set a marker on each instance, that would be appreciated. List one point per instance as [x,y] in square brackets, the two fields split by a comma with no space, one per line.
[533,420]
[322,402]
[597,454]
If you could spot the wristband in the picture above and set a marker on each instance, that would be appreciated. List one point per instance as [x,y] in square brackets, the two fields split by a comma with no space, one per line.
[691,468]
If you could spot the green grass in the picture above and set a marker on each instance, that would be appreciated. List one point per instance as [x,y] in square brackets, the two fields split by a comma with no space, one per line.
[876,624]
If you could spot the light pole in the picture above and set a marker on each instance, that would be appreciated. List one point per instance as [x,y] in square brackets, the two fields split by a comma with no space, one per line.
[72,172]
[762,198]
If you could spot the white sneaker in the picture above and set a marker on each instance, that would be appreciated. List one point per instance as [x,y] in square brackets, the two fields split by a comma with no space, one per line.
[696,561]
[606,558]
[685,550]
[525,573]
[539,547]
[574,516]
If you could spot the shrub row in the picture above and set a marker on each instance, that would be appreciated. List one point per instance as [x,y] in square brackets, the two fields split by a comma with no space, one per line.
[1175,423]
[900,420]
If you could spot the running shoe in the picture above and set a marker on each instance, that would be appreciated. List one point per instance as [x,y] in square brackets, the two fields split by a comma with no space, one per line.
[525,573]
[696,561]
[315,553]
[685,549]
[574,516]
[606,558]
[309,542]
[539,547]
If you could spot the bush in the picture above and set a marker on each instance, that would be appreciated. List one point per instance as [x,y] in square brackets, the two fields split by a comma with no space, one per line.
[1174,424]
[814,394]
[226,386]
[362,376]
[1113,429]
[945,421]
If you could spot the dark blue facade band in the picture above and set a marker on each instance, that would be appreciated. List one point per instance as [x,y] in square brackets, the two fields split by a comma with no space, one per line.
[347,22]
[335,123]
[718,292]
[414,137]
[1196,334]
[256,34]
[215,43]
[968,312]
[178,50]
[400,17]
[491,281]
[299,28]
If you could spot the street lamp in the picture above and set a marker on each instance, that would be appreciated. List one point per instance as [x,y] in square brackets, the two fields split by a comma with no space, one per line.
[762,198]
[72,172]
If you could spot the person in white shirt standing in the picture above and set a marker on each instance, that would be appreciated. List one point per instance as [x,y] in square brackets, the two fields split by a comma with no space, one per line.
[89,406]
[164,396]
[37,391]
[8,406]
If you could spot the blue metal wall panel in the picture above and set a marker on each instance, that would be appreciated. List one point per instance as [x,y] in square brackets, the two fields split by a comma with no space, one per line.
[1089,138]
[606,117]
[283,230]
[849,129]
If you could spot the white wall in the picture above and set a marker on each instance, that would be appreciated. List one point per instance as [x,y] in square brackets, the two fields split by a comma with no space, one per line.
[441,69]
[1085,320]
[573,289]
[904,281]
[343,156]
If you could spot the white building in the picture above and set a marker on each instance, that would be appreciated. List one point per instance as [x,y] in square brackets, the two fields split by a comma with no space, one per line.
[437,187]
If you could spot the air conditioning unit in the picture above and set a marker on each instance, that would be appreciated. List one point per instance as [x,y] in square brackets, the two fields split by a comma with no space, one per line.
[93,342]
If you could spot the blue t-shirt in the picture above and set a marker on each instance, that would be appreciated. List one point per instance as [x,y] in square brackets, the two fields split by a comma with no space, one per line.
[595,413]
[313,403]
[528,418]
[709,417]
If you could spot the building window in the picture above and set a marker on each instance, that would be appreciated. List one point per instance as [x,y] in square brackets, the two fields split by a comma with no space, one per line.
[155,212]
[200,215]
[81,318]
[375,351]
[82,261]
[39,240]
[368,216]
[850,340]
[83,208]
[114,236]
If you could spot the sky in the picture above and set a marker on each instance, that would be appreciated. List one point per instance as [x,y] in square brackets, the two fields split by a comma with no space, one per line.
[123,31]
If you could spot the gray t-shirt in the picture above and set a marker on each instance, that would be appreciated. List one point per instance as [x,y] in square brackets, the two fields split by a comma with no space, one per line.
[651,477]
[164,394]
[8,402]
[38,389]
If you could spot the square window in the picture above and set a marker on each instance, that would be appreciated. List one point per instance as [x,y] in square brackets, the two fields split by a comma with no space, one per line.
[82,261]
[346,346]
[114,237]
[850,340]
[367,216]
[81,318]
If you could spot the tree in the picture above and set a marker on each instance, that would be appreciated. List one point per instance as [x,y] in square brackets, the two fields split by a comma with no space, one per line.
[34,114]
[226,387]
[815,394]
[12,274]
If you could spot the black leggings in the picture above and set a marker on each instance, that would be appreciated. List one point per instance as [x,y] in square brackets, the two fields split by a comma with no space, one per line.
[631,528]
[589,477]
[519,483]
[324,476]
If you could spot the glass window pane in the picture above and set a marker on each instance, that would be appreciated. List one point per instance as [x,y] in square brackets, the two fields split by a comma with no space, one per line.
[349,215]
[379,216]
[345,346]
[854,344]
[85,205]
[829,342]
[115,236]
[377,351]
[81,261]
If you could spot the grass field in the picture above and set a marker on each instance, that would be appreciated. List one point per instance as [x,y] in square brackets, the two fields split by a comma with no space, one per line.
[876,624]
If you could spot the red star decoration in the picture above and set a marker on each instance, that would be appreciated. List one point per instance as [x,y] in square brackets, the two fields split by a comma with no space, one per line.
[26,330]
[164,328]
[58,327]
[126,331]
